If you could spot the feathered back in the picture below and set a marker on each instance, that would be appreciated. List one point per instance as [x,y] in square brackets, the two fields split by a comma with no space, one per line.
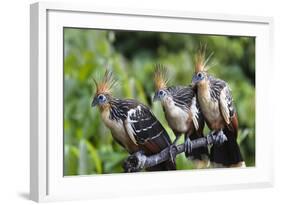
[201,62]
[106,83]
[160,77]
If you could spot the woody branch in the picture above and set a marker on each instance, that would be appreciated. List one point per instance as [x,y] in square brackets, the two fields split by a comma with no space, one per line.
[139,161]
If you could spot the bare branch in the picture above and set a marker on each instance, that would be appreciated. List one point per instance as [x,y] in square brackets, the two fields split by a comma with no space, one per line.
[139,161]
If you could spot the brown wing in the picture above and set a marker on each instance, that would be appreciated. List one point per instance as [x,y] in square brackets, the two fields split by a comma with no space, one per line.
[234,125]
[228,153]
[227,110]
[144,129]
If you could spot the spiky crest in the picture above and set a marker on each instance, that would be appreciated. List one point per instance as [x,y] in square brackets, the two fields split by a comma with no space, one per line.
[201,62]
[160,76]
[106,83]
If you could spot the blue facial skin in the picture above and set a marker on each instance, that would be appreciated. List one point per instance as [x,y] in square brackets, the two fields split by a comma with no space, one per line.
[159,95]
[197,78]
[99,100]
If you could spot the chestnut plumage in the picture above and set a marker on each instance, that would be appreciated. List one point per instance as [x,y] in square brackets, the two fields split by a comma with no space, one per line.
[216,102]
[182,112]
[131,123]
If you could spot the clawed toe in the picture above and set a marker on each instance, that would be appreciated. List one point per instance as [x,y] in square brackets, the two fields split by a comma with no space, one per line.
[188,146]
[219,138]
[173,152]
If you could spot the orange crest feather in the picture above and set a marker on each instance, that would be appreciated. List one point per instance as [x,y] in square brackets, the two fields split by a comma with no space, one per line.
[160,77]
[105,85]
[201,62]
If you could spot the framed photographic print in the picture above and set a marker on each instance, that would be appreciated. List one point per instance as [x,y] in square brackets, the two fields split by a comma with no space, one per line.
[124,96]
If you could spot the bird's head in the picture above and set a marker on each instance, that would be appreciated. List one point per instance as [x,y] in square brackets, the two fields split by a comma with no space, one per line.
[201,67]
[160,95]
[101,100]
[102,95]
[199,78]
[160,82]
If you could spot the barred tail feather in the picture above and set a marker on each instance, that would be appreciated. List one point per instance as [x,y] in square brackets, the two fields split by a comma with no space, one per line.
[200,153]
[227,154]
[164,166]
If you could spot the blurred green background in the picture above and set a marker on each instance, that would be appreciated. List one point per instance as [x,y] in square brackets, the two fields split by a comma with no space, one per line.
[88,145]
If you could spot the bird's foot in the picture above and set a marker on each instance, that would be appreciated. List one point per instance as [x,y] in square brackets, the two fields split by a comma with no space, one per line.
[219,138]
[173,152]
[135,162]
[131,164]
[187,146]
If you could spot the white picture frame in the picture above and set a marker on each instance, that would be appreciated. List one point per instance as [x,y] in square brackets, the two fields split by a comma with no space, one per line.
[47,182]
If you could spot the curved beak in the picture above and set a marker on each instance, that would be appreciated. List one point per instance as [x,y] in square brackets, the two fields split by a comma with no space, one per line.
[94,102]
[195,80]
[156,97]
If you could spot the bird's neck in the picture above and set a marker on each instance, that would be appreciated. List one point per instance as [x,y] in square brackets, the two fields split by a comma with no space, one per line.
[203,90]
[105,112]
[104,108]
[168,103]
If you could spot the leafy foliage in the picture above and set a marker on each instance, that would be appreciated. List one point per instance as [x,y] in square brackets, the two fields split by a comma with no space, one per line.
[88,145]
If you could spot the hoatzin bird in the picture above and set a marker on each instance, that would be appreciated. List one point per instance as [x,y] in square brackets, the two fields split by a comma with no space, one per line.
[131,123]
[182,114]
[215,100]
